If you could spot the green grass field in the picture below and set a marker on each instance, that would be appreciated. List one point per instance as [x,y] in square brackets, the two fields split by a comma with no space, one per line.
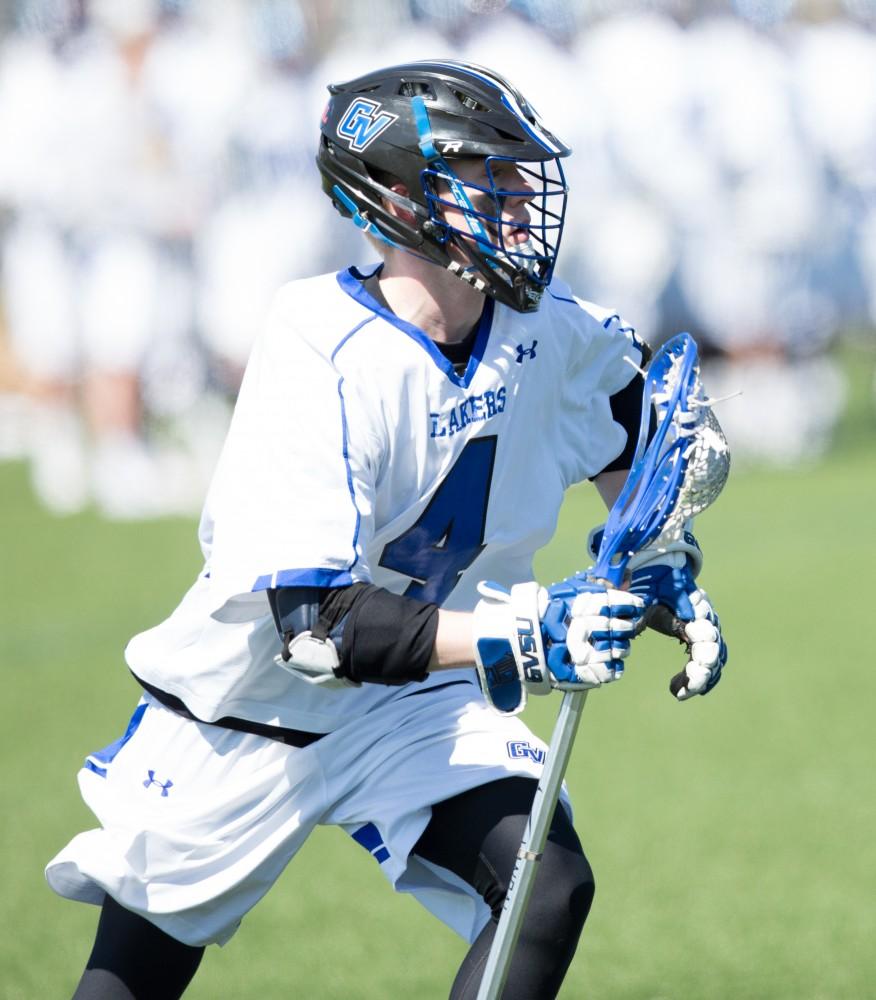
[734,837]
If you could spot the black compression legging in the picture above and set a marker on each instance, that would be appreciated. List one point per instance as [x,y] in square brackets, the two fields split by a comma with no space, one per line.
[133,960]
[476,835]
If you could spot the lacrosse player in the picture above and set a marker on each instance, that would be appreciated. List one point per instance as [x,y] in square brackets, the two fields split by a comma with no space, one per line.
[404,433]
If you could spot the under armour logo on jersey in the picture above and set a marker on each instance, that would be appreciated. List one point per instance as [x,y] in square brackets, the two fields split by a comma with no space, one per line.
[523,748]
[163,785]
[525,352]
[363,123]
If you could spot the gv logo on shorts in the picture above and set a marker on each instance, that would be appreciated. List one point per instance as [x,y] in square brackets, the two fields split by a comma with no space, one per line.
[523,748]
[163,785]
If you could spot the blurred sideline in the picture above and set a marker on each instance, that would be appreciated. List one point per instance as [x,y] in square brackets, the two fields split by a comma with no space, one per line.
[157,185]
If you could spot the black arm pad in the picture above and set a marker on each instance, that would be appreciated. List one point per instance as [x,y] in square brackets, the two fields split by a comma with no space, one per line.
[387,638]
[381,637]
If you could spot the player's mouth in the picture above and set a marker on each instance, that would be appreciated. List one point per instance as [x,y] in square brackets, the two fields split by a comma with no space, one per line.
[515,235]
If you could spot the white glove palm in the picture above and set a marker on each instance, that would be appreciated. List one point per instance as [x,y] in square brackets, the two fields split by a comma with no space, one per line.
[663,575]
[702,637]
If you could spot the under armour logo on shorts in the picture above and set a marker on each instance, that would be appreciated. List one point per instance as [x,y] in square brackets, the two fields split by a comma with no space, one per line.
[525,352]
[163,785]
[523,748]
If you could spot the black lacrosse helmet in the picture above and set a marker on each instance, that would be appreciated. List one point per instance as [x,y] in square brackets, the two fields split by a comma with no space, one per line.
[409,123]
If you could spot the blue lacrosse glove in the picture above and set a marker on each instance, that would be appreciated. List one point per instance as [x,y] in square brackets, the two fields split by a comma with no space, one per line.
[665,580]
[573,635]
[664,576]
[587,631]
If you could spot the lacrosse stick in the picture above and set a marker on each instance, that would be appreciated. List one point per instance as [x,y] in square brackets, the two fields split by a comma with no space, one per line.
[673,477]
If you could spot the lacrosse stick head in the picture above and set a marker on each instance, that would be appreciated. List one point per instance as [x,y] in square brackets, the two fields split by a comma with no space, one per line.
[676,473]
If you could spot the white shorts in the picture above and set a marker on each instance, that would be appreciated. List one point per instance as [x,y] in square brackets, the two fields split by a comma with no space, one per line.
[198,821]
[39,292]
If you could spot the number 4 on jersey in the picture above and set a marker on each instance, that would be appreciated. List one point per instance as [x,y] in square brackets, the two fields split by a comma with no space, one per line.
[449,535]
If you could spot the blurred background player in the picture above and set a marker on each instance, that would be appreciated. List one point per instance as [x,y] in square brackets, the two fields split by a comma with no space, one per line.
[96,264]
[241,254]
[37,283]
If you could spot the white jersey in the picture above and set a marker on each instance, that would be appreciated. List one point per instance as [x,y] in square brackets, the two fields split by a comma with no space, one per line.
[356,453]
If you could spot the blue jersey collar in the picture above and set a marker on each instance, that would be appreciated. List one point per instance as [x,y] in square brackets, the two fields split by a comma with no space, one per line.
[351,280]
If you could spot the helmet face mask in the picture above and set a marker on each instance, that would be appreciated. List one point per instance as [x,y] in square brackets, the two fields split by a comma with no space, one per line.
[476,177]
[516,246]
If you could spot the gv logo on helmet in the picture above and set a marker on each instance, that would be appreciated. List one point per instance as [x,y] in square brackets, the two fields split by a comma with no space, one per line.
[363,123]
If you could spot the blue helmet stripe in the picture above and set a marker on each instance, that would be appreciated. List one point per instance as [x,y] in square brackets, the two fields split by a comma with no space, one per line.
[433,158]
[424,129]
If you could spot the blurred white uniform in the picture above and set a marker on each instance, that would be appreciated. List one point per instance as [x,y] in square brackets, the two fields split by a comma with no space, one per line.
[261,232]
[135,206]
[746,266]
[97,266]
[645,173]
[744,259]
[36,279]
[834,68]
[38,274]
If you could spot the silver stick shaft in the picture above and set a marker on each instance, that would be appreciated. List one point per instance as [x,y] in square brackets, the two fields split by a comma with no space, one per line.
[532,847]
